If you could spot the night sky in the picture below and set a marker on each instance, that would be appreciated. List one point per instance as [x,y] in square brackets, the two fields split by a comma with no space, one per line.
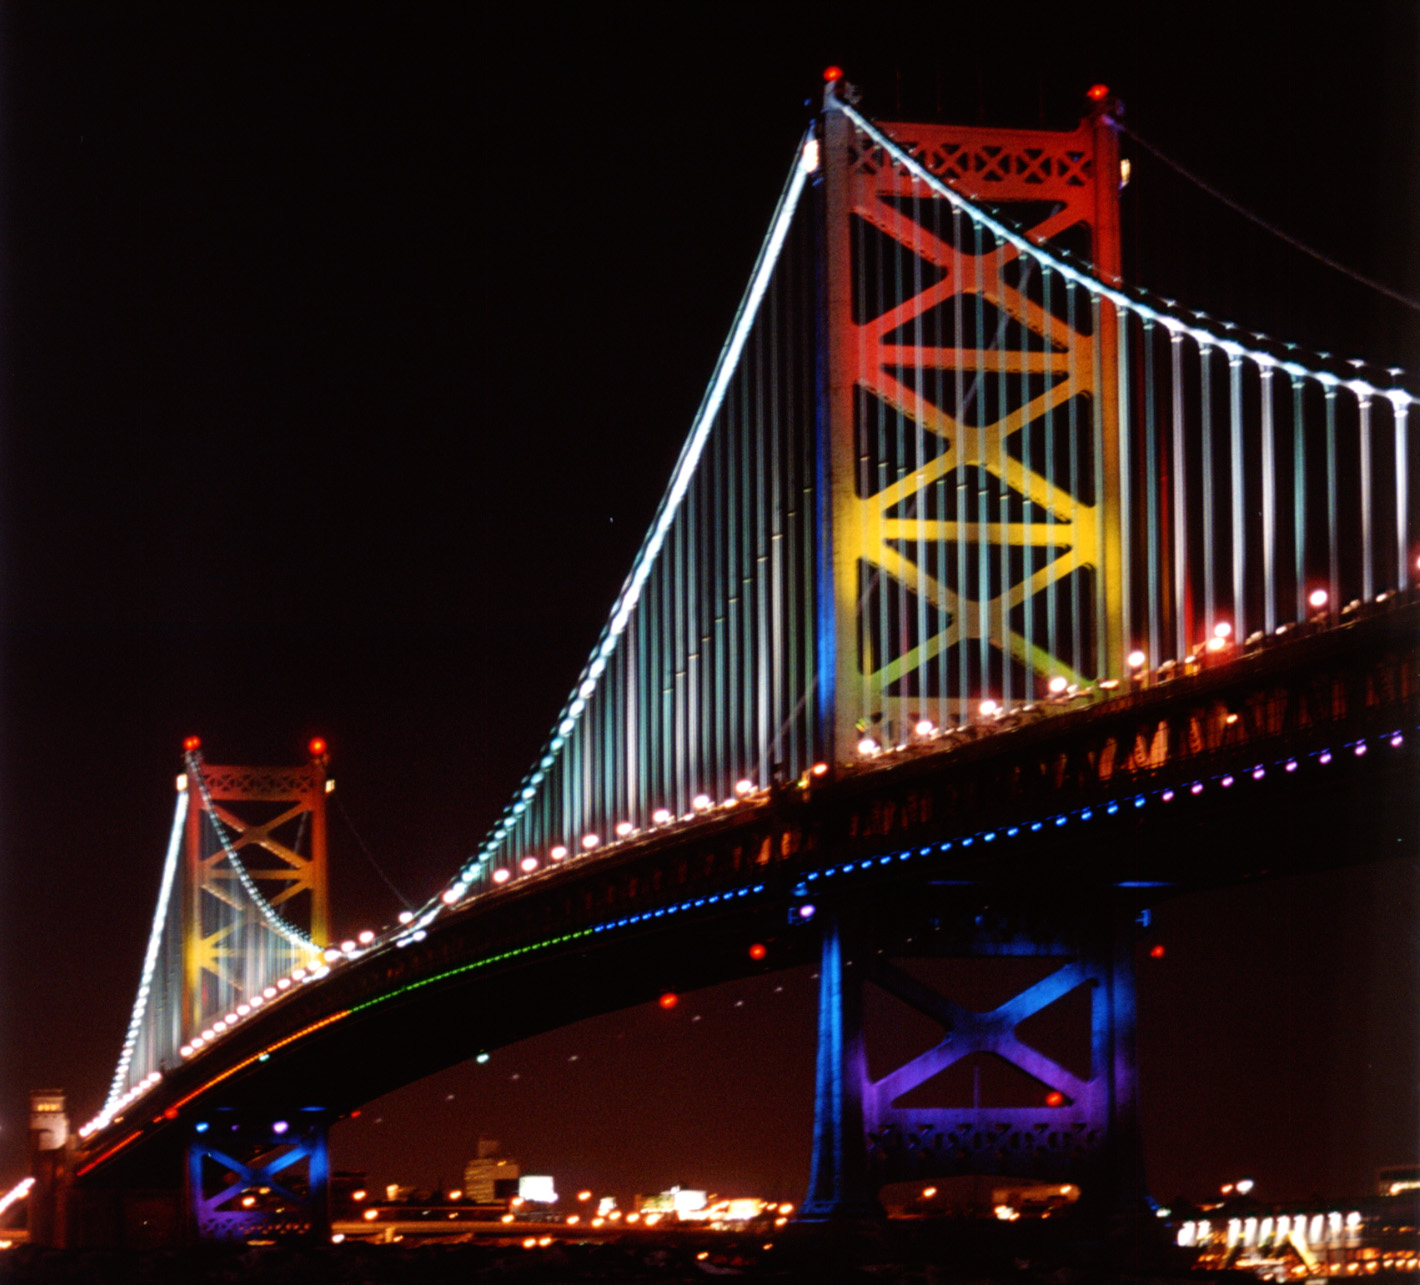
[346,351]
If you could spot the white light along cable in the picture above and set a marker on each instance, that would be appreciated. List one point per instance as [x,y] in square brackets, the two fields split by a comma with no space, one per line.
[804,163]
[1398,397]
[150,960]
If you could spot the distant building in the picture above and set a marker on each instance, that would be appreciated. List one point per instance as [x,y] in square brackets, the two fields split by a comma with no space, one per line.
[1307,1241]
[490,1176]
[678,1200]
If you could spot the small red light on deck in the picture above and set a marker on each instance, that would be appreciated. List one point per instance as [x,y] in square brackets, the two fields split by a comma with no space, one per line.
[1097,93]
[830,74]
[669,1000]
[757,951]
[1157,951]
[192,744]
[317,747]
[1055,1098]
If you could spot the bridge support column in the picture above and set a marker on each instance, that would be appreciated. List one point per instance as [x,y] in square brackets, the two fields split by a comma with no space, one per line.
[838,1179]
[50,1147]
[985,1101]
[267,1176]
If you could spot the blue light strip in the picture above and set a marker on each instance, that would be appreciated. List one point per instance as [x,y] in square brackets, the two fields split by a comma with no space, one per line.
[1161,794]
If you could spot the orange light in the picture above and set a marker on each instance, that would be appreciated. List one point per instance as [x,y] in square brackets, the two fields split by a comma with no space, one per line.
[830,74]
[317,747]
[192,744]
[669,1000]
[1055,1098]
[1097,93]
[1156,952]
[757,951]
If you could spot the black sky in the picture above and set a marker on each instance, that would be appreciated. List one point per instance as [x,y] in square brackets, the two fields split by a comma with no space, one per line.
[345,352]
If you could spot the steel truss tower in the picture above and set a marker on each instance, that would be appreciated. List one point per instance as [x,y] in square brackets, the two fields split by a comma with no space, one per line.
[969,554]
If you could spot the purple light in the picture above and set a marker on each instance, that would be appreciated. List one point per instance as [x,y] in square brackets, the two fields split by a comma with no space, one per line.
[1397,741]
[806,911]
[1360,748]
[280,1127]
[1196,787]
[1291,765]
[1258,773]
[1324,757]
[1226,782]
[1167,796]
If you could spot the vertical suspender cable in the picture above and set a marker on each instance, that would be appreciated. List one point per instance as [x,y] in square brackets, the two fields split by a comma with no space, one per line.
[1333,546]
[1299,500]
[1052,640]
[922,629]
[1028,547]
[635,781]
[775,423]
[1269,509]
[961,500]
[983,564]
[1239,530]
[1205,370]
[1367,568]
[1000,418]
[1102,569]
[1151,495]
[1126,482]
[1077,658]
[1180,501]
[695,769]
[760,434]
[1401,407]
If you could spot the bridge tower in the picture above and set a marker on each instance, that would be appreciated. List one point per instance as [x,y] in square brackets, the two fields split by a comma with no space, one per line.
[968,426]
[969,560]
[236,813]
[253,1173]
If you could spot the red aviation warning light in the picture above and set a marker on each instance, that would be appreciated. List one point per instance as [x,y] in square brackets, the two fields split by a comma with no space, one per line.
[192,744]
[830,74]
[317,749]
[669,1000]
[1055,1098]
[758,951]
[1097,93]
[1156,951]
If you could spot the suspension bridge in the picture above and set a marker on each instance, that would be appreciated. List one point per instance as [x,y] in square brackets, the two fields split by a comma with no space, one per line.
[986,592]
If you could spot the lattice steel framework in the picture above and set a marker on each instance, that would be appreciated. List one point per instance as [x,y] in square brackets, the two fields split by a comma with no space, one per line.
[226,931]
[232,947]
[260,1177]
[972,525]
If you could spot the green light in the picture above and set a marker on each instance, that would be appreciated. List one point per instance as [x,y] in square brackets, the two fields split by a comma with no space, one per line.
[468,968]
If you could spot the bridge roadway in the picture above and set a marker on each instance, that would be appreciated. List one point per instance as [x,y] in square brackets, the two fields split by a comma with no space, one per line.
[1250,767]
